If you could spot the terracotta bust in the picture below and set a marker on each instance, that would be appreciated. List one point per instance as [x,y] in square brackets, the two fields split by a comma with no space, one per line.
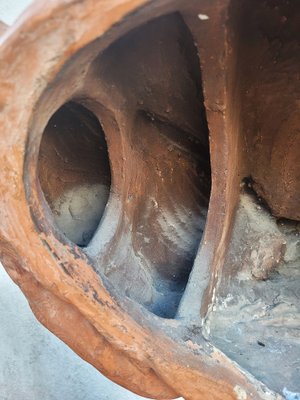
[149,189]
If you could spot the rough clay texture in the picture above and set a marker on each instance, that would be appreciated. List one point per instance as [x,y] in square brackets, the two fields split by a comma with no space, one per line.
[176,139]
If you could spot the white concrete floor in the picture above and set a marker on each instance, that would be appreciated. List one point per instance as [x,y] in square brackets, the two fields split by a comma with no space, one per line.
[11,9]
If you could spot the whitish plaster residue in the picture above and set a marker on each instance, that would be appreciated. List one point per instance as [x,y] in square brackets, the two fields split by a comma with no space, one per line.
[180,227]
[259,320]
[78,211]
[240,393]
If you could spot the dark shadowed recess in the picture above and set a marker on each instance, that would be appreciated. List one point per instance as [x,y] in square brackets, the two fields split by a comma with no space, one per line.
[74,171]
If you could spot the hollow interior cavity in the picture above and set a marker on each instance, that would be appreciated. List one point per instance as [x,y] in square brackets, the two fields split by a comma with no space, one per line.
[150,79]
[74,171]
[146,89]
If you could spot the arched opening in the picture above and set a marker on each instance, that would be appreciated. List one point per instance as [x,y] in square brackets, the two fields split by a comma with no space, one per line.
[74,171]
